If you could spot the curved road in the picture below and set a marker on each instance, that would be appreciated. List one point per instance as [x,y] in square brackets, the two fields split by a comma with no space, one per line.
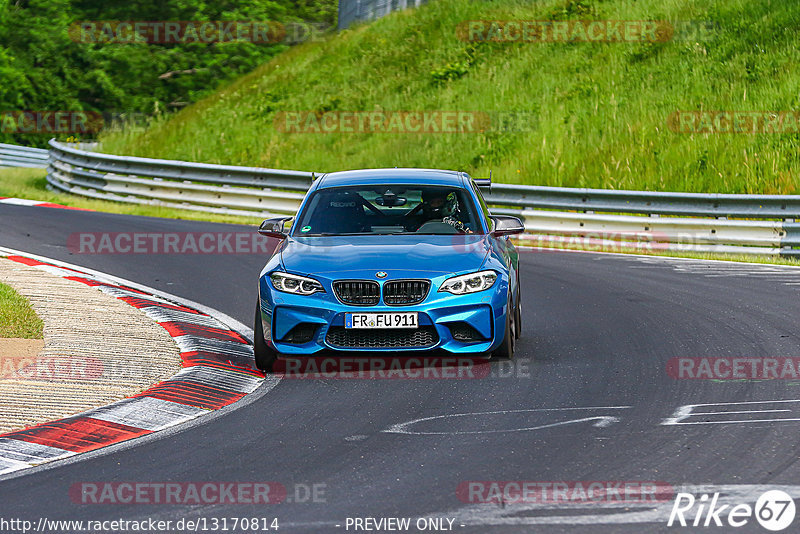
[590,406]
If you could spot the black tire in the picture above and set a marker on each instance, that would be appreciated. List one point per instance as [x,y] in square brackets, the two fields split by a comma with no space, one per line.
[265,356]
[506,349]
[518,312]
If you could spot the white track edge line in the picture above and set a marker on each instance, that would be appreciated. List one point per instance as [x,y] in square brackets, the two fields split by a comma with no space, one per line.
[656,257]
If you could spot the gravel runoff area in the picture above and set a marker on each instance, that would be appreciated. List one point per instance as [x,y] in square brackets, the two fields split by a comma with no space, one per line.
[97,350]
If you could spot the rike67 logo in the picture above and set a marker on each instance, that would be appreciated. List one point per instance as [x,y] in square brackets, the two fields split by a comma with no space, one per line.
[774,510]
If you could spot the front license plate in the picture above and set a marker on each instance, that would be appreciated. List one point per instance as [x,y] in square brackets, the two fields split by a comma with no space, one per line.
[381,320]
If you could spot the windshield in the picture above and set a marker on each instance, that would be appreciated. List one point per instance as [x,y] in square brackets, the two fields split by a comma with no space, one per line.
[388,209]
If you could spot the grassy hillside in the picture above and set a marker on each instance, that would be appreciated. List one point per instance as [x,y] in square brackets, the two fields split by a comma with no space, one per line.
[601,109]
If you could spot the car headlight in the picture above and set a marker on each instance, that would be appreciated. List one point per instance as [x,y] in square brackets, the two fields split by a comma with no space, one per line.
[469,283]
[299,285]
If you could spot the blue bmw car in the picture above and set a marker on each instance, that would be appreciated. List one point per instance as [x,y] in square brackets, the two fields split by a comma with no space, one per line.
[388,260]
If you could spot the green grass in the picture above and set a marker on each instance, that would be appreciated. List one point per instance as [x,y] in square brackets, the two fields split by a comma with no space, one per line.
[742,258]
[17,318]
[31,184]
[601,108]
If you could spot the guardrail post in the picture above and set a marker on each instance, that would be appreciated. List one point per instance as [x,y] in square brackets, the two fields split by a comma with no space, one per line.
[746,224]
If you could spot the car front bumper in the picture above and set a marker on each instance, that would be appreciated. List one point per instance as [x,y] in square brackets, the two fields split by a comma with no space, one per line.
[460,324]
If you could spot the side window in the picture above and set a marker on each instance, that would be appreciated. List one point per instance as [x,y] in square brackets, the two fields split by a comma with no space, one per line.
[484,207]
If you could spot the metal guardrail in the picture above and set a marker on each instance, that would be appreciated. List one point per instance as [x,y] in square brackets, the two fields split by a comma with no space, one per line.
[647,202]
[594,218]
[351,11]
[22,156]
[221,189]
[682,222]
[592,231]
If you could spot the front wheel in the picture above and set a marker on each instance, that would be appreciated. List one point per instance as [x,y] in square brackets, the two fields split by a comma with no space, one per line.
[518,314]
[265,356]
[506,349]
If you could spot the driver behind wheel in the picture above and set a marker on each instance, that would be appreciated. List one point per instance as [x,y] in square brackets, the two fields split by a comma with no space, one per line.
[438,205]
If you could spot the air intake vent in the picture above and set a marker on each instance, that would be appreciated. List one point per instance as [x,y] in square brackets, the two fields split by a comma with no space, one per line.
[465,332]
[391,338]
[405,292]
[302,333]
[357,292]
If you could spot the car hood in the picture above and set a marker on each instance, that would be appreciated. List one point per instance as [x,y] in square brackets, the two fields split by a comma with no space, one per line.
[391,253]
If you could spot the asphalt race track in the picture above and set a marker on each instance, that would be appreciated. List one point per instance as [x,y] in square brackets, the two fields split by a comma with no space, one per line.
[591,406]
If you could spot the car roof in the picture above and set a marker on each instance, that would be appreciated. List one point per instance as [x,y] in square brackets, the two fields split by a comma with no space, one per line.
[398,176]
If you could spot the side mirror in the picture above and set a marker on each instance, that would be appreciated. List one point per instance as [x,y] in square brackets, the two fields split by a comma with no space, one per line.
[274,227]
[505,225]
